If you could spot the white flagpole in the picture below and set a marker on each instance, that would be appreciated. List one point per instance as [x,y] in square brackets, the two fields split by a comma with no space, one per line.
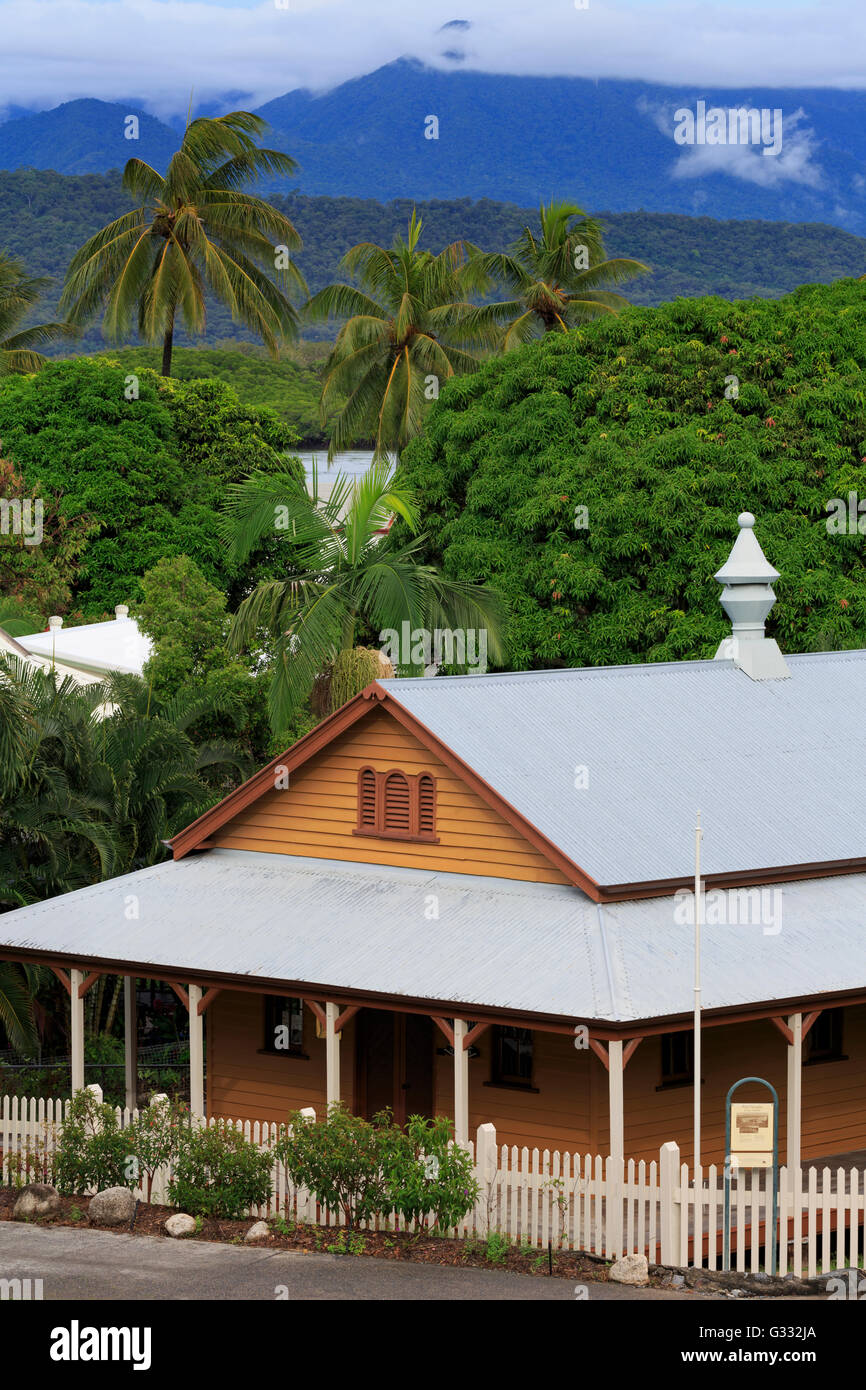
[697,1023]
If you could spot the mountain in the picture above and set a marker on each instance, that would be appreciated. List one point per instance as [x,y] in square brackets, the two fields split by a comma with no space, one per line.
[45,217]
[606,144]
[84,137]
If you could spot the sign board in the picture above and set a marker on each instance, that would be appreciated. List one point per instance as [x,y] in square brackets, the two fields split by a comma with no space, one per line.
[752,1136]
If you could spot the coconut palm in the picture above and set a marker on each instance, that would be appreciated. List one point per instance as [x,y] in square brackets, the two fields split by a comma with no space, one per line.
[18,984]
[18,293]
[352,578]
[403,336]
[196,231]
[556,280]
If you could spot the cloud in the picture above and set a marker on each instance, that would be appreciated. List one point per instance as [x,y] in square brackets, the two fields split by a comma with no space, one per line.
[156,50]
[794,163]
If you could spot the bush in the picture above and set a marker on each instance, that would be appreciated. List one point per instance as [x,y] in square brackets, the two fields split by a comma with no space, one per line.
[342,1160]
[217,1172]
[428,1175]
[93,1152]
[156,1137]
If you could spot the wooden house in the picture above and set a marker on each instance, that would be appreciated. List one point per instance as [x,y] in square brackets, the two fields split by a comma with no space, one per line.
[473,896]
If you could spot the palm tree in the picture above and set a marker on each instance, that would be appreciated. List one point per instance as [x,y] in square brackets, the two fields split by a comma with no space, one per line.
[403,337]
[18,984]
[83,798]
[18,293]
[196,231]
[557,280]
[352,578]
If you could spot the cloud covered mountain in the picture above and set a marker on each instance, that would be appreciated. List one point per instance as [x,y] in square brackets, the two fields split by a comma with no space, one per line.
[408,130]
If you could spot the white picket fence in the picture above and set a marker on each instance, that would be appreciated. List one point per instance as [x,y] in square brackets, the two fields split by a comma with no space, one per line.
[570,1202]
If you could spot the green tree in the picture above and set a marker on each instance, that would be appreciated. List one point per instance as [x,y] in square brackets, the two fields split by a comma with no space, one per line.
[187,620]
[403,337]
[557,279]
[352,577]
[18,294]
[144,457]
[595,477]
[195,232]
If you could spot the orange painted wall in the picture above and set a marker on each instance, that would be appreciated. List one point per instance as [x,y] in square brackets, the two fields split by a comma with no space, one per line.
[569,1109]
[316,814]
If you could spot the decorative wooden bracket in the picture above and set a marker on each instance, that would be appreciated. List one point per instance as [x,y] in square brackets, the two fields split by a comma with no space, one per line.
[473,1034]
[784,1030]
[809,1020]
[603,1054]
[88,983]
[180,992]
[444,1027]
[318,1011]
[207,999]
[345,1016]
[63,978]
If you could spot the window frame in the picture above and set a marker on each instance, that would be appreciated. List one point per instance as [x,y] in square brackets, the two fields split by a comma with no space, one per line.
[272,1004]
[669,1079]
[378,831]
[513,1081]
[835,1019]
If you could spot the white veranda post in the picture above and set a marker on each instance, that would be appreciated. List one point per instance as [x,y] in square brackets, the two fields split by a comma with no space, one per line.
[76,1032]
[196,1052]
[332,1054]
[461,1083]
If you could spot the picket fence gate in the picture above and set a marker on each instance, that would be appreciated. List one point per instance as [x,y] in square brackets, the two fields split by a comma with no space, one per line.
[565,1201]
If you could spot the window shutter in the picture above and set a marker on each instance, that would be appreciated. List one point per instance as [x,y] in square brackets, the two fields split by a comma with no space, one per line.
[426,806]
[397,808]
[367,800]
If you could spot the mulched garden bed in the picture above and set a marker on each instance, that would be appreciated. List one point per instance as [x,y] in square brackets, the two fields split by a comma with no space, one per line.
[149,1220]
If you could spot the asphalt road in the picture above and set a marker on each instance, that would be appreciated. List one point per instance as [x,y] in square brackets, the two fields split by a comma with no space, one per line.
[98,1265]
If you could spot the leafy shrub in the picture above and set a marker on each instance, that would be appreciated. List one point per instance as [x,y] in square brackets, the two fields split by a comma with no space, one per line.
[156,1137]
[217,1172]
[428,1175]
[93,1150]
[342,1159]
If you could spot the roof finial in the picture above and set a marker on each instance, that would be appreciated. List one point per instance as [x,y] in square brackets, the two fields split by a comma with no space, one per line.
[747,598]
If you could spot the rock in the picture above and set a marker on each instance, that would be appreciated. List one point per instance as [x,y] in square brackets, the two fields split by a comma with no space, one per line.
[180,1225]
[36,1200]
[630,1269]
[257,1232]
[113,1207]
[678,1281]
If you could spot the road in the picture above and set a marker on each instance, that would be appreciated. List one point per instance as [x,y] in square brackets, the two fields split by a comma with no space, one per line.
[98,1265]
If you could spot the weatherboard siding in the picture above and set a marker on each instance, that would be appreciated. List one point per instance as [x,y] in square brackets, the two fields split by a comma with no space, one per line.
[568,1109]
[316,815]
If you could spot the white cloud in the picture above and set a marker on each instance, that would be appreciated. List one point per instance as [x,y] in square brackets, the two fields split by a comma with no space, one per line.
[156,50]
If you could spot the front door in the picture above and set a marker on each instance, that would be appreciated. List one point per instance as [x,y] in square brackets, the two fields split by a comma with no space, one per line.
[394,1062]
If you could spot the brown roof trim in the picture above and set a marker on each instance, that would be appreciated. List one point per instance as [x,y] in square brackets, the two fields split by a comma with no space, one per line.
[737,878]
[372,697]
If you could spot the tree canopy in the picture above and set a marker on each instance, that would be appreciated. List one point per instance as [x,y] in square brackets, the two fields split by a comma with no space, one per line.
[595,477]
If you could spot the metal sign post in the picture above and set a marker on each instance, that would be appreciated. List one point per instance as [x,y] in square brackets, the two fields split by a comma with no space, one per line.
[756,1132]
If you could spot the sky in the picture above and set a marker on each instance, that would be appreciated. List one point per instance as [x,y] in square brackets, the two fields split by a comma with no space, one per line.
[157,50]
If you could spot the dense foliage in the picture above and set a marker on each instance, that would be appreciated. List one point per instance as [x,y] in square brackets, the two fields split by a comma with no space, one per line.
[630,420]
[144,458]
[44,216]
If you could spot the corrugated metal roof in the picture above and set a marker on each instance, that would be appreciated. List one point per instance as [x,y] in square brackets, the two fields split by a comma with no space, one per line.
[777,768]
[533,948]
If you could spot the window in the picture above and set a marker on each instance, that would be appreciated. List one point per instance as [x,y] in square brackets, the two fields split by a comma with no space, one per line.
[678,1058]
[396,805]
[284,1025]
[824,1038]
[512,1056]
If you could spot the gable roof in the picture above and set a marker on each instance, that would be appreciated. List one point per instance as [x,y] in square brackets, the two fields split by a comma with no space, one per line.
[776,768]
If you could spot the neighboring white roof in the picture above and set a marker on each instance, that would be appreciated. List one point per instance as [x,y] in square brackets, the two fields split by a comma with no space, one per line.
[94,648]
[613,763]
[529,947]
[11,646]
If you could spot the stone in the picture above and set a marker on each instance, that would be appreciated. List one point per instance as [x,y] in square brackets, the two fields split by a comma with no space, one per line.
[678,1281]
[630,1269]
[113,1207]
[38,1199]
[257,1232]
[180,1225]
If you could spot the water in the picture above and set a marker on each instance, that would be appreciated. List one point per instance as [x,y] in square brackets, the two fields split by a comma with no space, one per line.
[352,462]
